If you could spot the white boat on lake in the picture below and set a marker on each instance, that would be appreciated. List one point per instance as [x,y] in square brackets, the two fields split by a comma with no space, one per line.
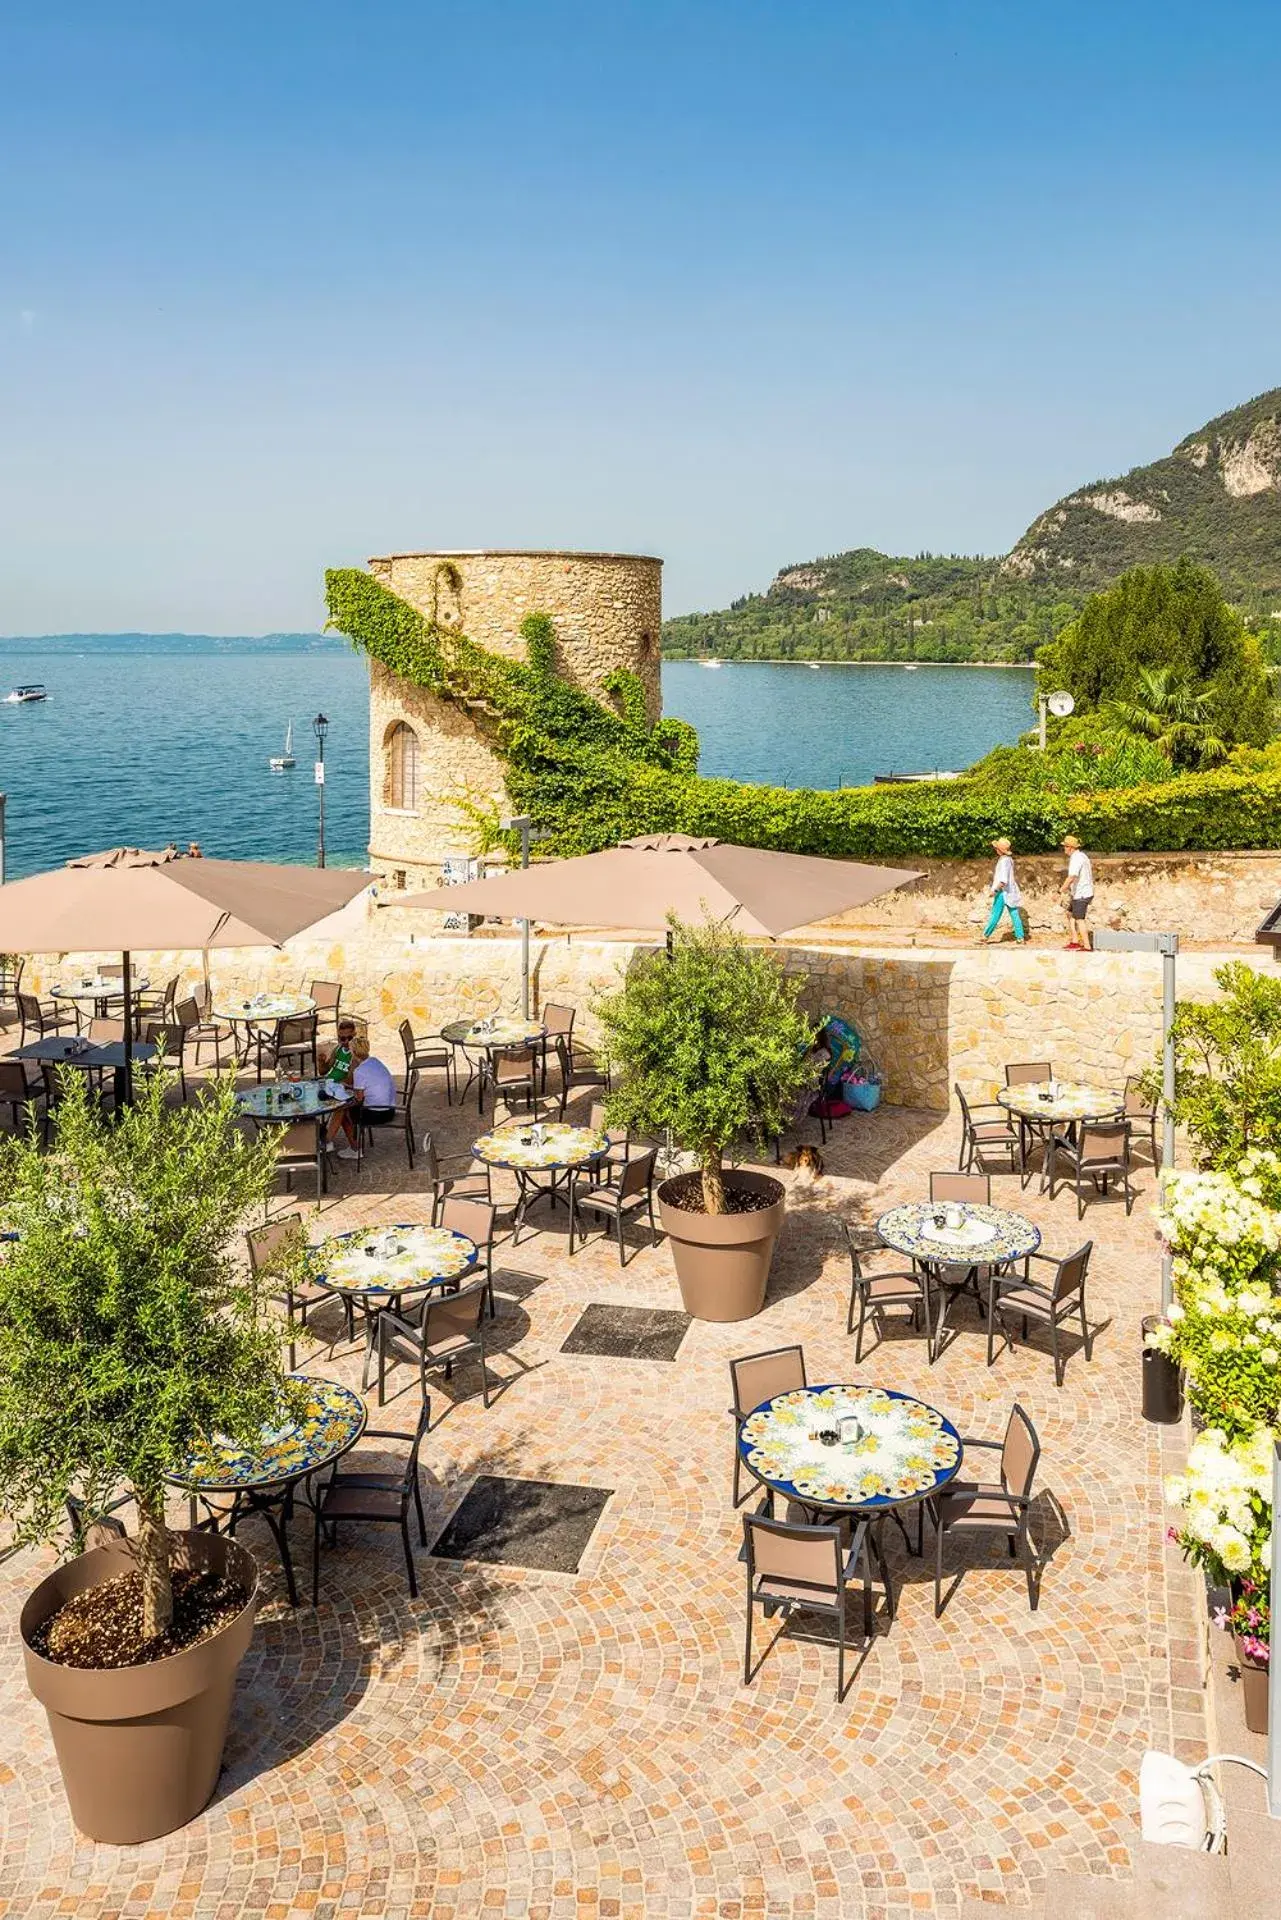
[282,762]
[23,696]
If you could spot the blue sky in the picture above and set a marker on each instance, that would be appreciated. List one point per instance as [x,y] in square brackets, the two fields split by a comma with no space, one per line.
[282,286]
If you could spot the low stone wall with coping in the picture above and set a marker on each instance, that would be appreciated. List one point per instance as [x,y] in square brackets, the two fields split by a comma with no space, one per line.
[929,1017]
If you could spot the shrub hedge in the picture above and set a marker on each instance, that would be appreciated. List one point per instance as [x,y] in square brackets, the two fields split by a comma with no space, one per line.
[590,776]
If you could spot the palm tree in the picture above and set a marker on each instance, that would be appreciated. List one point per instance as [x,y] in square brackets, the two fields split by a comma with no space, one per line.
[1173,713]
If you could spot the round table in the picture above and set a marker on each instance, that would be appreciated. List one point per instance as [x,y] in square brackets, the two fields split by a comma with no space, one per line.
[282,1103]
[527,1151]
[292,1103]
[374,1267]
[264,1476]
[261,1013]
[986,1237]
[1039,1105]
[99,989]
[1069,1101]
[903,1452]
[490,1036]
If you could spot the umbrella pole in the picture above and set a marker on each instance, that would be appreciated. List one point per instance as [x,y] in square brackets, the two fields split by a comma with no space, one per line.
[126,1076]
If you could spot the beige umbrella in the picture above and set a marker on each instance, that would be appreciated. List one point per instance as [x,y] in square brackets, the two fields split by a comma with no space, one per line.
[130,901]
[641,882]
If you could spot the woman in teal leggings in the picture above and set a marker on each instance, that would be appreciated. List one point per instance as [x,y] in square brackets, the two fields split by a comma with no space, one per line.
[1006,897]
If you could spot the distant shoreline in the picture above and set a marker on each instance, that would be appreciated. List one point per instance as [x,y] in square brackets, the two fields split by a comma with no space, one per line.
[695,660]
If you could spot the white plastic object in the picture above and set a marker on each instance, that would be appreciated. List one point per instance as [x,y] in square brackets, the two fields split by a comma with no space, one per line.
[1171,1802]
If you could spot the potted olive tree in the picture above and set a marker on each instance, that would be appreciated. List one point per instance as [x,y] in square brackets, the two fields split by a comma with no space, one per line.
[129,1333]
[709,1045]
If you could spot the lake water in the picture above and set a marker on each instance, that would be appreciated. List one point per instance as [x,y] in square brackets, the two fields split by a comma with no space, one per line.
[146,741]
[840,726]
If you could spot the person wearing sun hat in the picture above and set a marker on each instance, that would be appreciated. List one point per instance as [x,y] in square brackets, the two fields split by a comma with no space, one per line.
[1006,897]
[1078,892]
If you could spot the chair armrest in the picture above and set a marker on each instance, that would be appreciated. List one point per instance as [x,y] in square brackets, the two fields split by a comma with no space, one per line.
[385,1433]
[968,1441]
[386,1318]
[1051,1259]
[989,1106]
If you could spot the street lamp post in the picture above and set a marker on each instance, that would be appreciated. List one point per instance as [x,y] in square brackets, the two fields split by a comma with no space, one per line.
[320,727]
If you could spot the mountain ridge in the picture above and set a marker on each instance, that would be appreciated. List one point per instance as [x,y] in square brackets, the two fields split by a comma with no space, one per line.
[1215,496]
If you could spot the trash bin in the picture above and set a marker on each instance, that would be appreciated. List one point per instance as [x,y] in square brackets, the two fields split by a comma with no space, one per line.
[1162,1382]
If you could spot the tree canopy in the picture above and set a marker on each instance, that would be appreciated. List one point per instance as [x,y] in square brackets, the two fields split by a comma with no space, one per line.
[1171,618]
[708,1042]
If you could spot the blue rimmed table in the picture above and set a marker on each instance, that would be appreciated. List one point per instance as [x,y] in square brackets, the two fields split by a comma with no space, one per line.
[882,1453]
[556,1150]
[954,1242]
[374,1268]
[266,1477]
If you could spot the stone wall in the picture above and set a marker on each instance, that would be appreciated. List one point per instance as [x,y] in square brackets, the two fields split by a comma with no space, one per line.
[929,1017]
[1215,897]
[607,612]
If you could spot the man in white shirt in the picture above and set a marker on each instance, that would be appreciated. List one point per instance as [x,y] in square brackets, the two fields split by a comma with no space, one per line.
[1078,891]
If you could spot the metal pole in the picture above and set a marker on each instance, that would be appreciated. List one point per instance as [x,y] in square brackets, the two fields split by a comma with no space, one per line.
[2,800]
[319,726]
[1042,704]
[1168,963]
[524,925]
[1274,1665]
[126,988]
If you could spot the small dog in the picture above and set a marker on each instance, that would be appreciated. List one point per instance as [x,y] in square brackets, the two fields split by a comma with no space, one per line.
[807,1163]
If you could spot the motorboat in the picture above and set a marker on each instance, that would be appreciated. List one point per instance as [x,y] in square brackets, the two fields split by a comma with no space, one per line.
[712,661]
[813,665]
[282,762]
[23,696]
[910,666]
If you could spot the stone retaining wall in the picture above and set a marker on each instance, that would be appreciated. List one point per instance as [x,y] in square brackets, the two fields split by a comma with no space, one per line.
[929,1017]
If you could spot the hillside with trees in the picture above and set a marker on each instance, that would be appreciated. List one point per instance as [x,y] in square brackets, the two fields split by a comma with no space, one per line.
[1216,499]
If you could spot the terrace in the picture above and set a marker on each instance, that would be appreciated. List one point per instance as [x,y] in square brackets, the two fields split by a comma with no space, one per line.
[558,1725]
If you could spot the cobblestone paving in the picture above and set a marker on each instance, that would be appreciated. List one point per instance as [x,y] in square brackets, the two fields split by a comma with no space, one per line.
[540,1744]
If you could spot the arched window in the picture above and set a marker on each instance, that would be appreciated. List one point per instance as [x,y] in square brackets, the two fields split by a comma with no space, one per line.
[402,768]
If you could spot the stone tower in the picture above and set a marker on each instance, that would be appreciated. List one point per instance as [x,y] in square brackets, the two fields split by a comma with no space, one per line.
[425,753]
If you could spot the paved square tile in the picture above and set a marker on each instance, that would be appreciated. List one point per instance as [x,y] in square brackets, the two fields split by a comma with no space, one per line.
[627,1333]
[524,1523]
[553,1744]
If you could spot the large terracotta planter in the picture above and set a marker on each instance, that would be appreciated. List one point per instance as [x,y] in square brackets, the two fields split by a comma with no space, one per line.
[1254,1689]
[723,1259]
[140,1747]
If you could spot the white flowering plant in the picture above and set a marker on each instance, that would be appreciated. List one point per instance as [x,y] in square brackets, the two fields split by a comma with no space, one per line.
[1224,1326]
[1225,1498]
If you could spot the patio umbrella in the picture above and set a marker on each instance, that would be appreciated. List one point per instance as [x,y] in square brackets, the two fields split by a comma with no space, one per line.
[129,900]
[640,882]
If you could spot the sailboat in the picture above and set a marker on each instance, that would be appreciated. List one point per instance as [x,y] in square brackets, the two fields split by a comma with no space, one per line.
[282,762]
